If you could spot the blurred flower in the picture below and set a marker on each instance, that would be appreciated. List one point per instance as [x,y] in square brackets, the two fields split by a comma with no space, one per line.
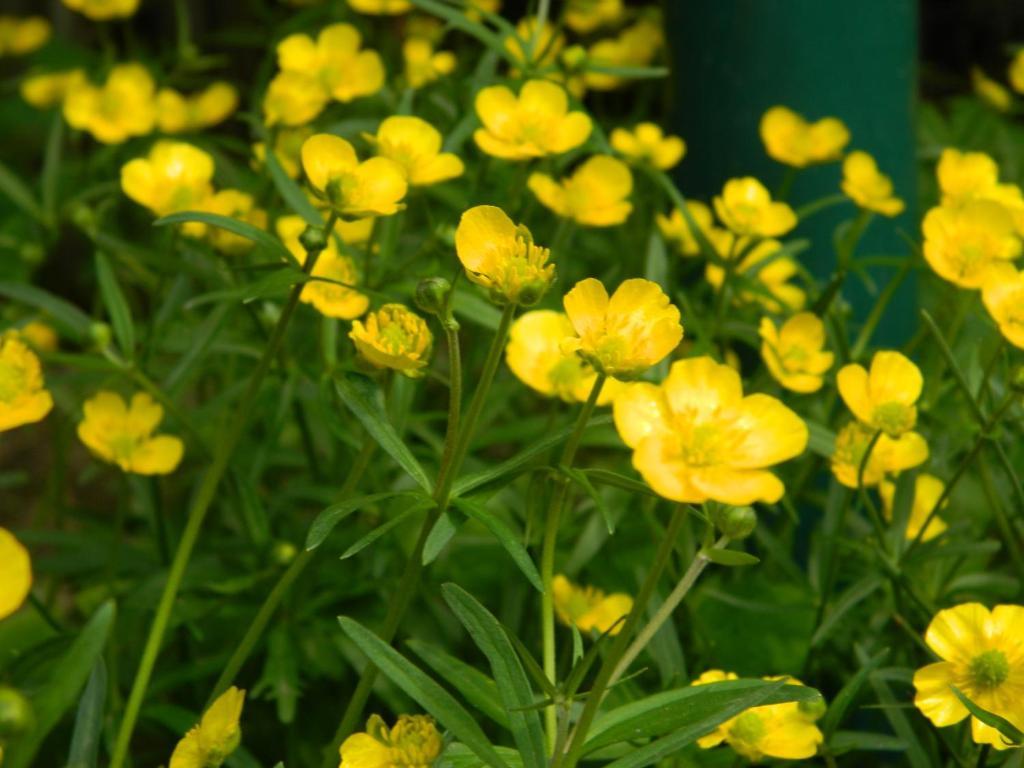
[40,336]
[534,124]
[394,337]
[413,742]
[888,457]
[647,143]
[176,113]
[963,244]
[988,90]
[15,573]
[1003,296]
[50,89]
[19,36]
[335,61]
[380,7]
[968,176]
[415,145]
[884,398]
[329,298]
[217,735]
[868,188]
[24,398]
[124,106]
[771,270]
[422,64]
[174,177]
[585,16]
[635,46]
[538,48]
[1015,72]
[675,228]
[588,608]
[696,437]
[792,140]
[502,257]
[983,657]
[123,435]
[927,492]
[795,354]
[596,195]
[287,149]
[626,334]
[374,187]
[103,10]
[535,356]
[746,208]
[293,98]
[234,204]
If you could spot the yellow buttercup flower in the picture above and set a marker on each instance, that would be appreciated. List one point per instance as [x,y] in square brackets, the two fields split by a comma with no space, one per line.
[287,149]
[122,434]
[218,734]
[1003,296]
[884,398]
[23,395]
[791,139]
[293,99]
[927,492]
[415,145]
[338,298]
[1015,72]
[394,337]
[413,742]
[539,48]
[596,195]
[534,124]
[15,573]
[535,355]
[867,187]
[675,228]
[173,177]
[50,89]
[696,437]
[647,143]
[124,106]
[772,271]
[380,7]
[991,92]
[967,176]
[746,208]
[635,46]
[795,354]
[40,336]
[888,457]
[964,244]
[103,10]
[21,36]
[585,16]
[982,654]
[374,187]
[588,608]
[176,112]
[474,7]
[502,257]
[234,204]
[423,64]
[626,334]
[335,60]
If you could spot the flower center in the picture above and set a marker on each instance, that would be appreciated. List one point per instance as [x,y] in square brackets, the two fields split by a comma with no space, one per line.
[748,728]
[12,381]
[894,418]
[989,670]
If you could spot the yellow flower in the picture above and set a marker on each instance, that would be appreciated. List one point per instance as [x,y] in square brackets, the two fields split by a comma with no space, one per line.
[287,149]
[777,294]
[329,298]
[543,46]
[626,334]
[588,608]
[217,735]
[696,437]
[868,188]
[790,139]
[1003,295]
[964,244]
[635,46]
[967,176]
[334,60]
[15,573]
[884,398]
[374,187]
[124,106]
[596,195]
[176,113]
[50,89]
[422,64]
[380,7]
[1015,72]
[982,655]
[293,98]
[647,143]
[988,90]
[474,7]
[502,257]
[536,357]
[415,145]
[234,204]
[534,124]
[676,230]
[23,395]
[123,435]
[21,36]
[888,457]
[413,742]
[927,492]
[585,16]
[783,731]
[40,336]
[103,10]
[795,354]
[175,176]
[394,337]
[746,208]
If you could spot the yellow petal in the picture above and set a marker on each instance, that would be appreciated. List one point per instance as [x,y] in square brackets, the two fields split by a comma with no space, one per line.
[852,381]
[738,486]
[699,385]
[894,379]
[15,573]
[479,238]
[325,156]
[958,634]
[774,433]
[639,410]
[550,193]
[587,305]
[159,455]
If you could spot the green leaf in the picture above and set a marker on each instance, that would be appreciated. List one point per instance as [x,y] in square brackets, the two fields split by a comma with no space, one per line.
[290,192]
[852,597]
[458,756]
[417,506]
[240,228]
[85,739]
[19,194]
[513,686]
[606,477]
[440,535]
[364,399]
[73,321]
[424,691]
[1011,733]
[848,694]
[117,306]
[326,521]
[729,557]
[476,687]
[61,689]
[579,477]
[820,439]
[865,741]
[275,283]
[51,167]
[510,541]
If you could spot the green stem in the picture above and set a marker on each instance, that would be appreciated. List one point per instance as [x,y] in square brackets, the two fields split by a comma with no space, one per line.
[874,514]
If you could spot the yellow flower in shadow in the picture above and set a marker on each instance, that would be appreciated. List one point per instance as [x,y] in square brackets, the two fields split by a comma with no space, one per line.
[964,244]
[885,397]
[595,195]
[746,208]
[1003,296]
[394,337]
[588,608]
[789,138]
[647,143]
[535,123]
[415,145]
[413,742]
[867,187]
[15,573]
[24,398]
[928,490]
[177,113]
[103,10]
[20,36]
[675,228]
[888,458]
[795,353]
[123,107]
[335,60]
[423,64]
[122,434]
[355,189]
[217,735]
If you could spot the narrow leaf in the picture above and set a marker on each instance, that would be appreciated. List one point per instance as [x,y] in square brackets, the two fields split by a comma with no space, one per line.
[729,557]
[85,739]
[240,228]
[290,192]
[326,521]
[381,530]
[18,192]
[476,687]
[117,306]
[1011,733]
[73,321]
[510,541]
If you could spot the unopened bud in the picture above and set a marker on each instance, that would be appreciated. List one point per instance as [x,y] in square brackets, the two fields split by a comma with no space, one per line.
[1017,378]
[735,522]
[313,239]
[283,552]
[432,294]
[101,334]
[574,56]
[83,217]
[15,713]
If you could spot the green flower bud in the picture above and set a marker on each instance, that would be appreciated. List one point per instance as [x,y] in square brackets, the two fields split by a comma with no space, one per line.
[432,294]
[283,552]
[15,713]
[101,334]
[735,522]
[84,218]
[313,239]
[1017,378]
[574,56]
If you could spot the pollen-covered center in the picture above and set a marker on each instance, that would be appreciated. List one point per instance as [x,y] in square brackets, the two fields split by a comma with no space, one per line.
[748,728]
[895,418]
[989,670]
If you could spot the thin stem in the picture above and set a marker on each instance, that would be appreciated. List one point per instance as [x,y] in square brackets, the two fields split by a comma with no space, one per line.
[875,515]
